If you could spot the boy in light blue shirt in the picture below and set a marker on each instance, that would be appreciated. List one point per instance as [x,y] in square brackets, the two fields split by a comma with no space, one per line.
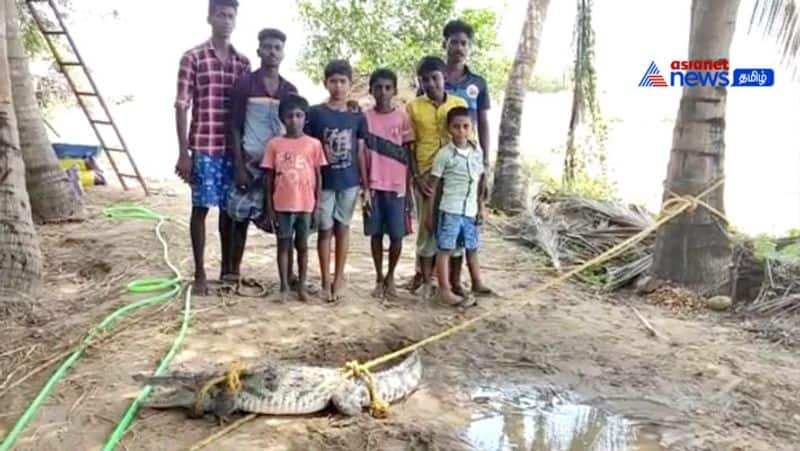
[458,171]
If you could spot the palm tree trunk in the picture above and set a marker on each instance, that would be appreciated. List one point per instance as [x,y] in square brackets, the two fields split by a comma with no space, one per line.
[694,249]
[509,185]
[52,197]
[20,257]
[570,153]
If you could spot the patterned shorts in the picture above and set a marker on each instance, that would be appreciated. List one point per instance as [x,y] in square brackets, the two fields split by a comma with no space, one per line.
[211,179]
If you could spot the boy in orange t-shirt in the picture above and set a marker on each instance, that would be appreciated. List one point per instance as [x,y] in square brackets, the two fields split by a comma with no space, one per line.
[293,184]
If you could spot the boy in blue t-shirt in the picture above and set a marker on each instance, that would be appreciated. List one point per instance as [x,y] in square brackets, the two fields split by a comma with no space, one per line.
[342,132]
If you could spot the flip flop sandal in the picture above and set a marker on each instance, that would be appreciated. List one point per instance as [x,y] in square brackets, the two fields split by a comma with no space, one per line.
[329,299]
[485,293]
[260,292]
[311,288]
[469,301]
[439,301]
[227,289]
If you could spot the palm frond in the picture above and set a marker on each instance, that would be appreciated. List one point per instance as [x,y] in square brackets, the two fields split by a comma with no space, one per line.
[778,20]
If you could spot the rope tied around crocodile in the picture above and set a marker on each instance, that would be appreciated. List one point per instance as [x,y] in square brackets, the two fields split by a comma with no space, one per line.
[231,379]
[670,209]
[378,407]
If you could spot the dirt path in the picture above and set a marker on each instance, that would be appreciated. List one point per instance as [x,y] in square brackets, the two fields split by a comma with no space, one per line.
[710,386]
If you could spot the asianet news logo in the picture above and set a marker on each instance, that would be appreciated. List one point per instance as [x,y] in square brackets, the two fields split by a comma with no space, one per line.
[693,73]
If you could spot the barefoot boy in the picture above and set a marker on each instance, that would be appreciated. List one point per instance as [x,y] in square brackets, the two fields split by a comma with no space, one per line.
[389,129]
[428,114]
[292,189]
[341,132]
[458,168]
[206,75]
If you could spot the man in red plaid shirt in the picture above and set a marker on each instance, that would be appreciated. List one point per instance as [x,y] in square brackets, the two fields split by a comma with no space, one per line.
[207,73]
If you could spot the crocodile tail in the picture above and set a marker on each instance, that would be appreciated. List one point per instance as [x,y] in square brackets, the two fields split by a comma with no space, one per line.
[401,380]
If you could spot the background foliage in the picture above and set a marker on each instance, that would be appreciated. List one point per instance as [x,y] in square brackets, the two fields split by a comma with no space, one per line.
[394,34]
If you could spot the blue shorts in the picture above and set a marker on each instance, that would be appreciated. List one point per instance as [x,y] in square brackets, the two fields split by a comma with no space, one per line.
[454,231]
[386,215]
[212,177]
[293,225]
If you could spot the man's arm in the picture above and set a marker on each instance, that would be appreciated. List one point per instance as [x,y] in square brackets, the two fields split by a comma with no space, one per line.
[235,126]
[183,167]
[484,135]
[183,101]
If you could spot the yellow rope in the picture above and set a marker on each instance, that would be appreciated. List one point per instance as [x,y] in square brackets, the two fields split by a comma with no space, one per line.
[670,209]
[378,407]
[232,380]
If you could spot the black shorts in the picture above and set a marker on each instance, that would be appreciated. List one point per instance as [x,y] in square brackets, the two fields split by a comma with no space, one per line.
[386,215]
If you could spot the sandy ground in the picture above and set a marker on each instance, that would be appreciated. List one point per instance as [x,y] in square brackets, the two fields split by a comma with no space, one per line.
[711,386]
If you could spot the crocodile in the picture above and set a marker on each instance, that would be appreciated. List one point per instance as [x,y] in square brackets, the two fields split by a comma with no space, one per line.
[279,389]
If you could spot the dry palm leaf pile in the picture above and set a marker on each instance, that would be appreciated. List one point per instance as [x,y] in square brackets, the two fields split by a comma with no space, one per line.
[571,230]
[776,284]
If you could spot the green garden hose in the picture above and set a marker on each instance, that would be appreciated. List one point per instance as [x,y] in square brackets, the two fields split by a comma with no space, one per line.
[130,412]
[147,285]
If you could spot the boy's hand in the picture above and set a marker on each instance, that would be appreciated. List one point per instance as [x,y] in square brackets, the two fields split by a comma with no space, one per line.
[242,177]
[271,220]
[409,202]
[315,218]
[425,188]
[184,168]
[366,198]
[481,216]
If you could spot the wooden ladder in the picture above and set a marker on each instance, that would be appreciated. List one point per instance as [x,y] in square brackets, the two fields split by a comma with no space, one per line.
[51,36]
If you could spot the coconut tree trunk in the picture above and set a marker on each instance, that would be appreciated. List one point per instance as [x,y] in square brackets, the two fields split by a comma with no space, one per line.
[20,257]
[694,249]
[52,196]
[509,184]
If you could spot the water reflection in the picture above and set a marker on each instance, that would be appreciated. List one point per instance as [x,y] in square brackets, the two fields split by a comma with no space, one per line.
[550,423]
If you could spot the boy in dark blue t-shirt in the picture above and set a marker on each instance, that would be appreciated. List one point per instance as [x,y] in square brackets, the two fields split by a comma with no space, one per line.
[342,134]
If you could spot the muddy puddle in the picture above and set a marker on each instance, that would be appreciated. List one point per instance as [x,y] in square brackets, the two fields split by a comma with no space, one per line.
[526,420]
